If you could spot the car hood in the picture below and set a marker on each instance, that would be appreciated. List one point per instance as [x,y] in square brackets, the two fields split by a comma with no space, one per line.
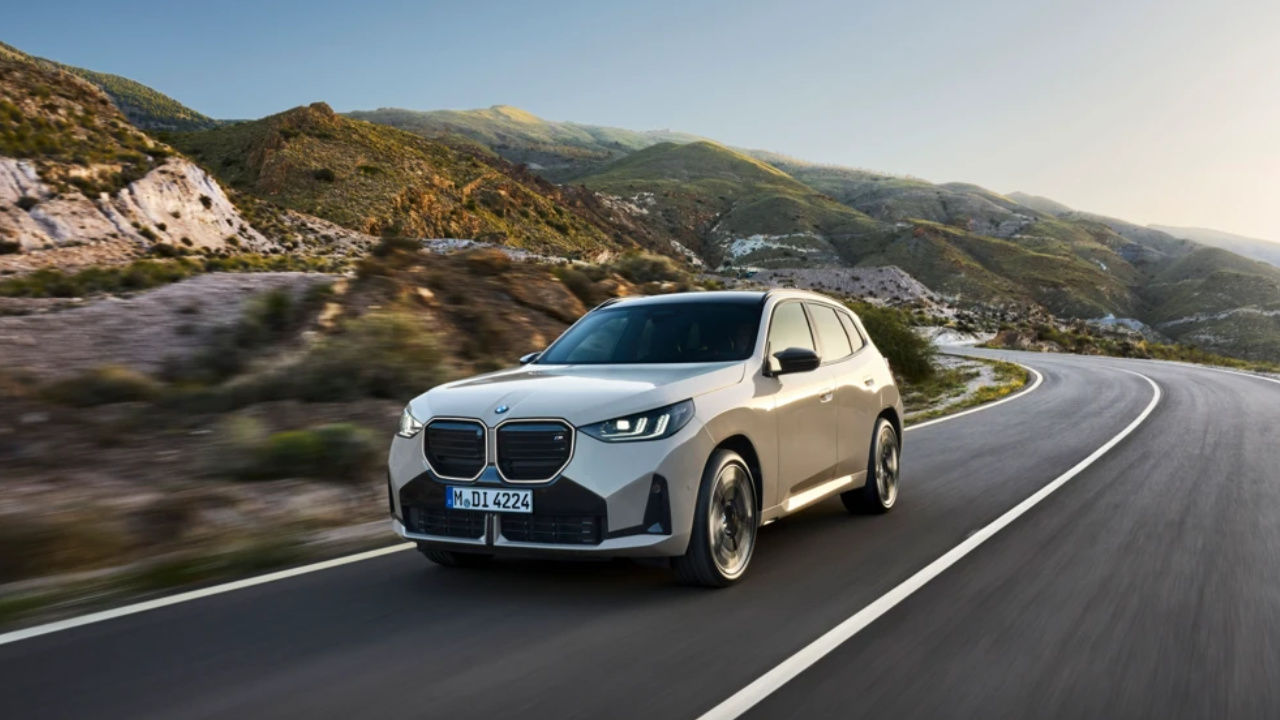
[581,394]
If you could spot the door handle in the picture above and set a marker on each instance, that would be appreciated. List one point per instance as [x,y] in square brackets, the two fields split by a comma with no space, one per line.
[827,396]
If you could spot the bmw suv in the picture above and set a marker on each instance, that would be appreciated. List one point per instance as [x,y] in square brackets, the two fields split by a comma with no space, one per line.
[671,426]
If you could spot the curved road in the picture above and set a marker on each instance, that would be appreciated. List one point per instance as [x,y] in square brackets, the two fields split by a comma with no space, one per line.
[1147,585]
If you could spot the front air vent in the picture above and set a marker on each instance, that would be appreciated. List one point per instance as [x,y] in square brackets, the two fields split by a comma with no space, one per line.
[442,522]
[455,449]
[552,529]
[533,450]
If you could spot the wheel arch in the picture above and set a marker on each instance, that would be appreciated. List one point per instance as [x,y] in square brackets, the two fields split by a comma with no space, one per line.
[742,445]
[891,414]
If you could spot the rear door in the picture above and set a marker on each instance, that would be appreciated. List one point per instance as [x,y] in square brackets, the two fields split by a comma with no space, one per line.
[843,355]
[805,409]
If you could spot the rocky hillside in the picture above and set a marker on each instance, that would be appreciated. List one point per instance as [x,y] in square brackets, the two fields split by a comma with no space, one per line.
[144,107]
[559,151]
[79,185]
[728,207]
[383,181]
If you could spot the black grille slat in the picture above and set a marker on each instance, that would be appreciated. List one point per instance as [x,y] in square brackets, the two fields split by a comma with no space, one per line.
[444,522]
[552,529]
[455,448]
[533,451]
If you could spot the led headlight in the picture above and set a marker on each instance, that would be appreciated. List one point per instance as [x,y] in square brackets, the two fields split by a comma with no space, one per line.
[409,425]
[651,425]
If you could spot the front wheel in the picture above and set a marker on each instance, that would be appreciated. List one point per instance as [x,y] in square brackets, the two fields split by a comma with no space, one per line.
[878,494]
[725,522]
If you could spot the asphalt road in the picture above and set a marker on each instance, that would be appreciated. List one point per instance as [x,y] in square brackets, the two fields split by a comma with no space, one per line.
[1148,585]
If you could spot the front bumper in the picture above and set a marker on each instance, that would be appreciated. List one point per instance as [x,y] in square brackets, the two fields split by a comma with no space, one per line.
[613,499]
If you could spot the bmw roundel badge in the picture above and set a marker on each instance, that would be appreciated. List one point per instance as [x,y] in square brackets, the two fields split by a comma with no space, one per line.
[501,409]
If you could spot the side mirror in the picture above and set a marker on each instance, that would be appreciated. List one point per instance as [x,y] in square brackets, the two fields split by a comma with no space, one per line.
[526,359]
[794,360]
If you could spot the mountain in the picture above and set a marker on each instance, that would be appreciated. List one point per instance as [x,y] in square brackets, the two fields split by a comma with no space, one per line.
[80,185]
[1265,250]
[1039,203]
[384,181]
[144,107]
[724,205]
[559,151]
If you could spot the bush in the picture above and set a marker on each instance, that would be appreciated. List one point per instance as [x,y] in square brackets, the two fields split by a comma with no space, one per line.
[382,354]
[340,451]
[324,175]
[581,285]
[644,268]
[910,355]
[487,261]
[8,247]
[102,386]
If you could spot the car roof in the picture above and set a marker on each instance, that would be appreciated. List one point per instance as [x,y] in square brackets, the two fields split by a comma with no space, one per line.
[745,297]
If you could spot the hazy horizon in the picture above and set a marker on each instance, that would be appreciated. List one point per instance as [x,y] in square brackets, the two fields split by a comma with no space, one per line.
[1154,113]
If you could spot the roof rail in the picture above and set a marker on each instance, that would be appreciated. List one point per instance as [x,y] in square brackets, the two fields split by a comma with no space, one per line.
[606,303]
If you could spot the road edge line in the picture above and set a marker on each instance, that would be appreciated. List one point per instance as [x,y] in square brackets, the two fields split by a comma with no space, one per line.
[765,685]
[987,406]
[135,608]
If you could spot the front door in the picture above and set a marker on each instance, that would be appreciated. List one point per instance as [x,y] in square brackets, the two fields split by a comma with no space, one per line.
[805,408]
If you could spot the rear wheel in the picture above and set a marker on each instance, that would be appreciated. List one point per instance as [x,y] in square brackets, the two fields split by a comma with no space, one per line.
[879,493]
[451,558]
[725,522]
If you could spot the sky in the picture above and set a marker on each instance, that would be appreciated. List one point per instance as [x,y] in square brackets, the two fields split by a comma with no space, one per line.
[1156,112]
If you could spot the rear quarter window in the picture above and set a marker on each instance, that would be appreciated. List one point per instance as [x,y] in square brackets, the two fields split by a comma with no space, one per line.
[831,333]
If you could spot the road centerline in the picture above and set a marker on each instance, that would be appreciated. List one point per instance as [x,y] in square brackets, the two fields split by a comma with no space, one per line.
[748,697]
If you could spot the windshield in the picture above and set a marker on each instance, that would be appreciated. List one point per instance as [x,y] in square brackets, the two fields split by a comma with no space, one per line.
[693,332]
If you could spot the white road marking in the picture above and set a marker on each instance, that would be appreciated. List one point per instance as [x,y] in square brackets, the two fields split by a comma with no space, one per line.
[987,406]
[135,608]
[746,698]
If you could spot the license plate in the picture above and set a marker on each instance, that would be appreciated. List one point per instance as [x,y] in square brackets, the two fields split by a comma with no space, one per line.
[489,499]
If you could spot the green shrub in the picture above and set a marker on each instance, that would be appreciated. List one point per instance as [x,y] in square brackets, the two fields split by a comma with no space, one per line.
[381,354]
[102,386]
[339,451]
[910,355]
[645,268]
[487,261]
[324,175]
[580,284]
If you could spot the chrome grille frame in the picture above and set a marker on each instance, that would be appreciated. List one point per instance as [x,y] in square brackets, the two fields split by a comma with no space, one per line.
[569,430]
[485,460]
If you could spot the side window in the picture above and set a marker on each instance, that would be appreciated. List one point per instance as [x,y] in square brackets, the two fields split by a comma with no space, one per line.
[835,342]
[852,328]
[789,329]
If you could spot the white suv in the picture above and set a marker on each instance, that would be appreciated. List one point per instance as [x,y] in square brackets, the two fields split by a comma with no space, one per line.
[669,426]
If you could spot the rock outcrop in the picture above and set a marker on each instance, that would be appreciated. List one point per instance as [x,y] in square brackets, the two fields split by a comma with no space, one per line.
[175,204]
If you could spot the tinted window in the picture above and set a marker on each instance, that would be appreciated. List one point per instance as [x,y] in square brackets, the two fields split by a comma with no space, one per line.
[835,343]
[660,333]
[789,329]
[852,328]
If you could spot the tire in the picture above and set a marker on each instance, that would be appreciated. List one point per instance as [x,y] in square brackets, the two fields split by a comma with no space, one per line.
[880,492]
[449,558]
[726,521]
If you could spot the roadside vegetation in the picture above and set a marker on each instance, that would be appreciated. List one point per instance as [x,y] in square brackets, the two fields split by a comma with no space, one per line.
[963,384]
[145,274]
[1083,339]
